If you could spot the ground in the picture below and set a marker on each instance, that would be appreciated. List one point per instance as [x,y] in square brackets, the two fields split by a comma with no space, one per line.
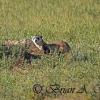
[75,21]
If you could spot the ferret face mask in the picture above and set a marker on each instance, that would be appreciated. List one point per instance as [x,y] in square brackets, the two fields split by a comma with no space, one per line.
[38,41]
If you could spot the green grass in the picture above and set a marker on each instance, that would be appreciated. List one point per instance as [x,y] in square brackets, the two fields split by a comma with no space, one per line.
[76,21]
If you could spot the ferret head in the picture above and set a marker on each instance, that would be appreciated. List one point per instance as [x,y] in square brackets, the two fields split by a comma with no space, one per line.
[38,41]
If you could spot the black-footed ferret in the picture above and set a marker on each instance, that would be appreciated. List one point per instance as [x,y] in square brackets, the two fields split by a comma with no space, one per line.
[55,47]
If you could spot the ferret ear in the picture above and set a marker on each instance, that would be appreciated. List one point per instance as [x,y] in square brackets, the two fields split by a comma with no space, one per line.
[33,37]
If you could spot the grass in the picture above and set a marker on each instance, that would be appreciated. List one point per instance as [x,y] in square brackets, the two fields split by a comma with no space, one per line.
[76,21]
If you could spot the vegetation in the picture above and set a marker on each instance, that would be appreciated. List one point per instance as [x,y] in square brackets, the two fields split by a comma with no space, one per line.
[75,21]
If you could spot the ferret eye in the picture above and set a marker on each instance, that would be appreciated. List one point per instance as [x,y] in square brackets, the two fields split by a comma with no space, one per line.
[38,38]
